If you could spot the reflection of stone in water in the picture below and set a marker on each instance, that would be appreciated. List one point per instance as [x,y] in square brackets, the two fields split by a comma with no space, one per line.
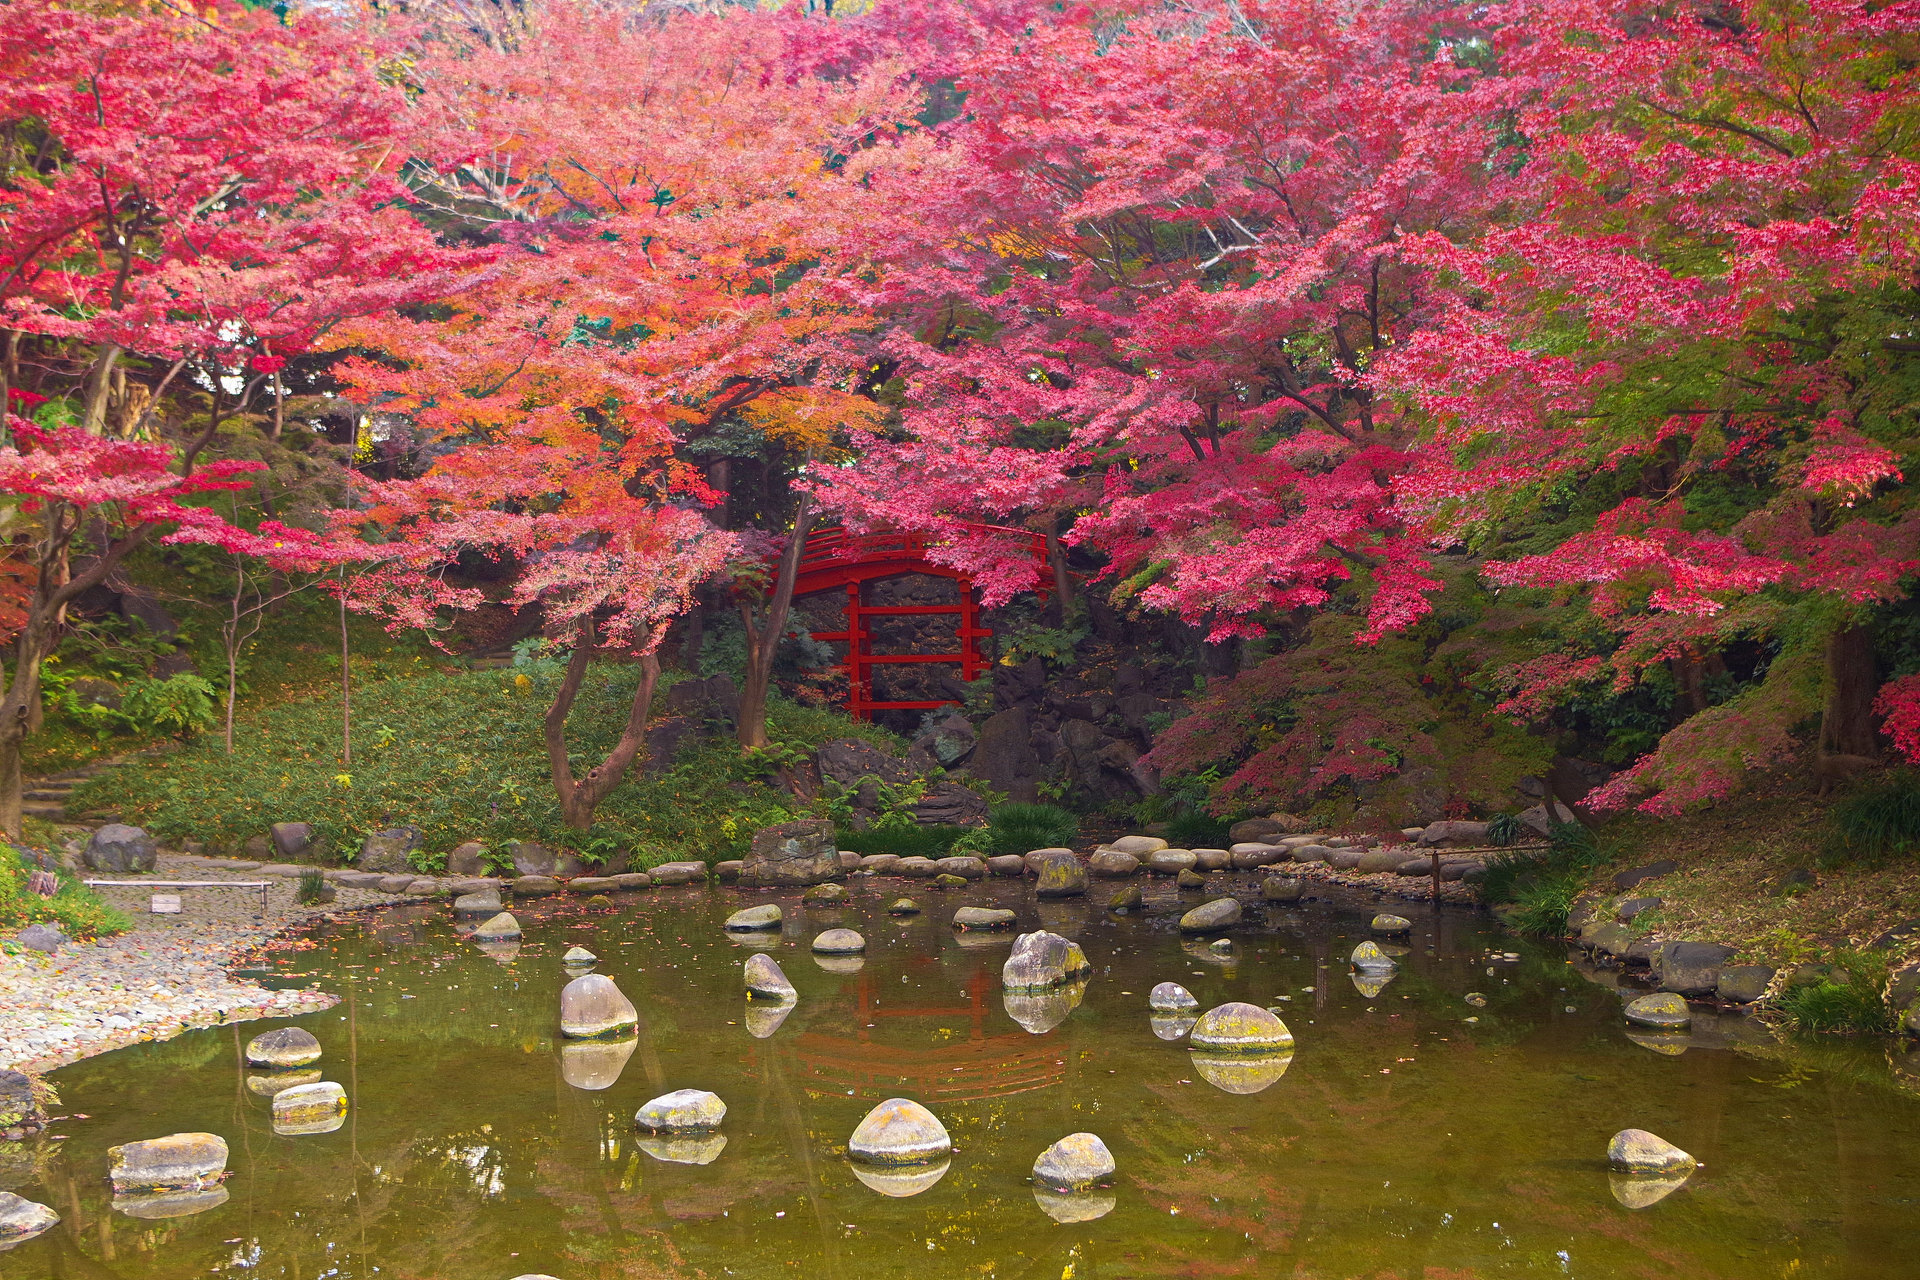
[1064,916]
[306,1128]
[1172,1026]
[1640,1190]
[1042,1011]
[758,940]
[684,1148]
[1395,949]
[267,1086]
[1241,1074]
[595,1064]
[764,1018]
[171,1204]
[1667,1043]
[1204,952]
[982,939]
[841,964]
[1079,1206]
[1371,982]
[500,952]
[900,1181]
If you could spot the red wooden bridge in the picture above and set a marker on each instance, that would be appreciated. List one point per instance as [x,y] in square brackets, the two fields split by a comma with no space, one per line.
[835,558]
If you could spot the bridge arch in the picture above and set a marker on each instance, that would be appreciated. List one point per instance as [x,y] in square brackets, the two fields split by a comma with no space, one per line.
[836,560]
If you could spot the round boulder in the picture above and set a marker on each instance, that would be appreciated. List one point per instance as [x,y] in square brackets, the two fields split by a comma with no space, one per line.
[285,1047]
[1208,917]
[1041,961]
[839,942]
[1190,879]
[917,868]
[1375,861]
[1007,864]
[1237,1027]
[1170,862]
[1127,899]
[1138,846]
[766,979]
[964,866]
[502,928]
[1281,889]
[752,919]
[1637,1151]
[1171,997]
[1664,1009]
[903,907]
[475,905]
[22,1219]
[1074,1163]
[900,1131]
[1369,956]
[1390,924]
[1212,860]
[1113,864]
[983,918]
[682,1111]
[592,1007]
[1061,876]
[828,894]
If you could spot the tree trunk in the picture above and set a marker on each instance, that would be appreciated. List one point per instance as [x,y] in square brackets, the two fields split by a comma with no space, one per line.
[346,680]
[93,412]
[580,797]
[1847,725]
[765,632]
[1062,583]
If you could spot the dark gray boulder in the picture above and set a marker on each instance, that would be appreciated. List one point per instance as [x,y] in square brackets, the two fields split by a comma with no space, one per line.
[121,850]
[292,839]
[1692,968]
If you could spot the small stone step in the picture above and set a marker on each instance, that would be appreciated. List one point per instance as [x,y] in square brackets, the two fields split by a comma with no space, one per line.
[47,793]
[43,809]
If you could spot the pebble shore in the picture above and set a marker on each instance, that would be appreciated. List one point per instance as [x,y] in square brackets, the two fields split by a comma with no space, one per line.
[169,974]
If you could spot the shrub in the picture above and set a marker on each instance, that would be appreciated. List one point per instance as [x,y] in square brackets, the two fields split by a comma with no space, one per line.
[1021,828]
[1538,886]
[1197,831]
[1850,1000]
[1876,823]
[1541,904]
[76,909]
[908,842]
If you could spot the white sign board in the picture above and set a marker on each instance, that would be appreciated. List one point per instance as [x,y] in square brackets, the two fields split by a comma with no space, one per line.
[165,904]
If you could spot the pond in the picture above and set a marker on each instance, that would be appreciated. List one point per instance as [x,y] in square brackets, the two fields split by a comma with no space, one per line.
[1412,1134]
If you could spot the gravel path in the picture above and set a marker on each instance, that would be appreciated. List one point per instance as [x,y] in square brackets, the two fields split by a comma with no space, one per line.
[170,973]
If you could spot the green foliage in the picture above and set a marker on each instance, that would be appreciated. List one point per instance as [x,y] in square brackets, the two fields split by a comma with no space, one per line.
[1536,887]
[465,761]
[1021,828]
[181,705]
[76,909]
[1504,828]
[1877,822]
[429,862]
[312,887]
[908,842]
[1193,830]
[1056,645]
[1850,999]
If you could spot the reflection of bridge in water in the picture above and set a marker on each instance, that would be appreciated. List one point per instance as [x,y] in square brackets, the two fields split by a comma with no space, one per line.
[981,1066]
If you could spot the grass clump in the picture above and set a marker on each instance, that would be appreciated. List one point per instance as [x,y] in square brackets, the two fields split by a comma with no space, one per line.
[907,842]
[1850,999]
[1877,823]
[459,754]
[1535,888]
[1197,831]
[1022,828]
[74,908]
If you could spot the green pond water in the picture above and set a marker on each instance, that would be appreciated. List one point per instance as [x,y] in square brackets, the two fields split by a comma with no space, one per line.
[1401,1141]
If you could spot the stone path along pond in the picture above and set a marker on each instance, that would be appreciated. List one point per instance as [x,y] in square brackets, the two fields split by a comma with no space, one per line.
[1401,1140]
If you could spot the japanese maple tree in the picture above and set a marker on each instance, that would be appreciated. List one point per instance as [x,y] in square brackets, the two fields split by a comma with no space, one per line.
[1149,271]
[674,200]
[1676,385]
